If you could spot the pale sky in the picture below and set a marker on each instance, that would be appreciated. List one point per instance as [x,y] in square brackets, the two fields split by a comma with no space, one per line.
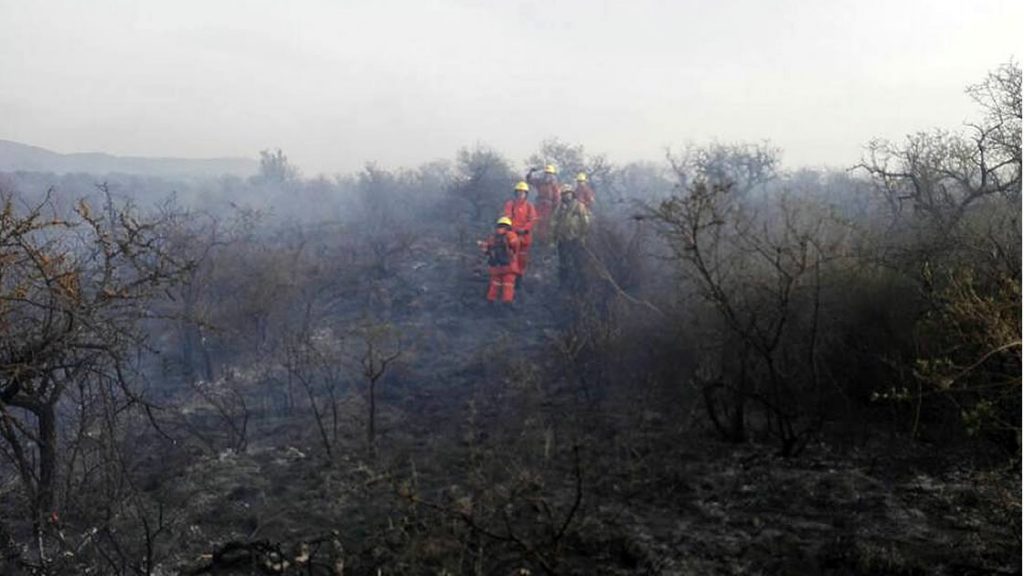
[338,83]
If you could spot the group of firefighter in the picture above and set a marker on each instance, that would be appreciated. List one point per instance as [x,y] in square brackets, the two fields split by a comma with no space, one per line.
[560,217]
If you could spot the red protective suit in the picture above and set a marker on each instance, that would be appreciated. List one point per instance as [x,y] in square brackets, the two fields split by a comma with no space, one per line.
[503,278]
[523,215]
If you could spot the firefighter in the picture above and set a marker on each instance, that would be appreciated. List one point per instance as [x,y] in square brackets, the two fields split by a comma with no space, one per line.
[501,250]
[523,215]
[546,182]
[569,227]
[584,193]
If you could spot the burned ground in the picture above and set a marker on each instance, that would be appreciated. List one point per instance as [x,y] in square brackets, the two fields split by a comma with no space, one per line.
[481,433]
[749,371]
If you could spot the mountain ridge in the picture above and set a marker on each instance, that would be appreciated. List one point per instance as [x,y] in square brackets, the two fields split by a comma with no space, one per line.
[17,156]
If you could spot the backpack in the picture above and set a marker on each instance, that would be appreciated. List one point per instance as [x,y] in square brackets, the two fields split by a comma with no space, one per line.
[499,254]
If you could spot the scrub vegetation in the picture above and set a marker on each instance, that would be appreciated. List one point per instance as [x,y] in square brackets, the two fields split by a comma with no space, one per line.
[751,371]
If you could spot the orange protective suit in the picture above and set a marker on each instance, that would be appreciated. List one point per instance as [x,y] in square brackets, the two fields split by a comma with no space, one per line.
[548,193]
[585,194]
[503,277]
[523,215]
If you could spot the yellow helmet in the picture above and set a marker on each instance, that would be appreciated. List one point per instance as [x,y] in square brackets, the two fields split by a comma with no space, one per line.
[522,186]
[581,177]
[505,220]
[550,169]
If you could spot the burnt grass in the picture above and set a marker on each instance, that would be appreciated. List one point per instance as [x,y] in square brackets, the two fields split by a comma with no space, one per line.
[493,457]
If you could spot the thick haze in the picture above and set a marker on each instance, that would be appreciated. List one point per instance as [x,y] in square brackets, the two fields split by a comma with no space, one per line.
[335,84]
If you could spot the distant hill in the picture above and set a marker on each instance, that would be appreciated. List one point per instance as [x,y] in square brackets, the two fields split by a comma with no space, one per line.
[15,156]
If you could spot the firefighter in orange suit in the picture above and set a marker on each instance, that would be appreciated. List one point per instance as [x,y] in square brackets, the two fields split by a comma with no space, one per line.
[502,250]
[523,215]
[548,192]
[584,193]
